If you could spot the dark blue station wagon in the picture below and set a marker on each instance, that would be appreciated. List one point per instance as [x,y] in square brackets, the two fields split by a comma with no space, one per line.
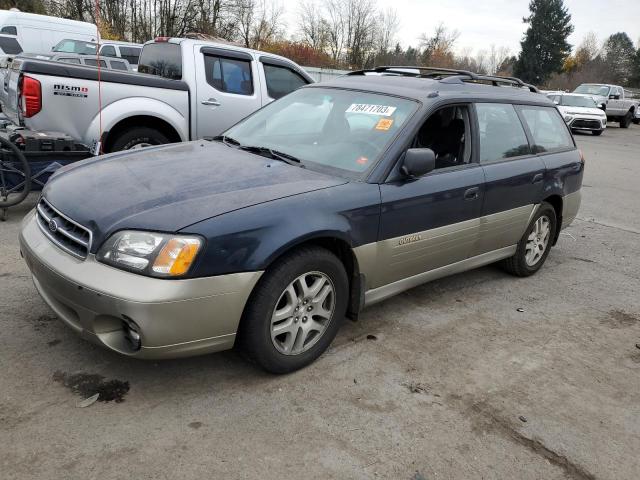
[330,199]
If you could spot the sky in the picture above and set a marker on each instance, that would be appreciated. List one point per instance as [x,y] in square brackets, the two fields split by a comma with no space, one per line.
[485,22]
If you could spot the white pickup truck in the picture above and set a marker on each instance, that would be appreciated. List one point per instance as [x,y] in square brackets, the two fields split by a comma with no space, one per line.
[613,99]
[185,90]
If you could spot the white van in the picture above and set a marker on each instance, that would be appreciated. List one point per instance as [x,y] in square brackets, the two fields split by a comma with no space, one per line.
[39,33]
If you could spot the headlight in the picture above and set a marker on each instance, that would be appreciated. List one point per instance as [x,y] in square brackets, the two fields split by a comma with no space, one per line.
[149,253]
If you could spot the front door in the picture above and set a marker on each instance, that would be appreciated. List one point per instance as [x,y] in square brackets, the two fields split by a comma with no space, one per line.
[432,221]
[227,89]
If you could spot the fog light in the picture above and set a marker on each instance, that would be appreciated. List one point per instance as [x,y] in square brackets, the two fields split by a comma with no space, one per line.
[132,334]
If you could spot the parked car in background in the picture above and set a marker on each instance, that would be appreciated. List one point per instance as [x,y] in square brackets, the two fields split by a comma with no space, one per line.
[39,33]
[109,48]
[128,51]
[188,89]
[337,196]
[580,112]
[87,60]
[613,98]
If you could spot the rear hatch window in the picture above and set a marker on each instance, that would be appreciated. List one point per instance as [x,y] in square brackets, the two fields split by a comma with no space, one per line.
[162,59]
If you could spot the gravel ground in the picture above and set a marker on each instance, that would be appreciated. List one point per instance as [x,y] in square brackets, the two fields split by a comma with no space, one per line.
[479,375]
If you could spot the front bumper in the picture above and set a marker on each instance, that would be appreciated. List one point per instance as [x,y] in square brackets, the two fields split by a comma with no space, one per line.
[175,318]
[589,123]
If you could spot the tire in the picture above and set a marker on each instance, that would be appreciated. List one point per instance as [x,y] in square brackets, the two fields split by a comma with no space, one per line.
[276,353]
[519,265]
[636,121]
[597,133]
[626,120]
[137,138]
[18,166]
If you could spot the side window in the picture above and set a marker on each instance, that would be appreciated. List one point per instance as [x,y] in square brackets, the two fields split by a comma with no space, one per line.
[70,60]
[447,132]
[501,133]
[130,54]
[116,65]
[10,46]
[9,30]
[92,62]
[108,51]
[547,128]
[281,80]
[229,74]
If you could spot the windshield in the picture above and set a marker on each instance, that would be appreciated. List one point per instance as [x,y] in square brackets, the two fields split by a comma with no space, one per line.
[339,131]
[76,46]
[601,90]
[571,101]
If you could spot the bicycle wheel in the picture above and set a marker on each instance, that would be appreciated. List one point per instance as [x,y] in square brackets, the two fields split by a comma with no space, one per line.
[15,175]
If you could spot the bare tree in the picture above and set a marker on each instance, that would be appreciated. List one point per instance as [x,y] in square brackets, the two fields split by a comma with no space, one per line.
[496,57]
[312,25]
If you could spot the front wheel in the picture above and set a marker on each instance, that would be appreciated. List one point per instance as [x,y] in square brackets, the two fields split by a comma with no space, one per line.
[295,311]
[535,244]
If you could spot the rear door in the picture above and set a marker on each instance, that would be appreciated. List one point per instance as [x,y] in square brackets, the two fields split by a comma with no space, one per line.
[227,89]
[513,173]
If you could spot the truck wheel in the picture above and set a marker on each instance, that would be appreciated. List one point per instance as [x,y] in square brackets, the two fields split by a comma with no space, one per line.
[295,311]
[138,137]
[597,133]
[626,120]
[636,121]
[535,244]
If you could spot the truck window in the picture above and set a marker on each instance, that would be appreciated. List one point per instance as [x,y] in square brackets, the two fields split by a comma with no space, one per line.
[9,30]
[92,62]
[229,74]
[281,80]
[76,46]
[108,51]
[117,65]
[547,128]
[162,59]
[501,133]
[10,46]
[69,60]
[130,54]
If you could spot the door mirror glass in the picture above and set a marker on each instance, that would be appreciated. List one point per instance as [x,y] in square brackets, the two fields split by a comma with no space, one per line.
[418,162]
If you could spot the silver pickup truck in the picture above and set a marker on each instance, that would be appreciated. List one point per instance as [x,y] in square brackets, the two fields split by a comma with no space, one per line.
[185,89]
[614,100]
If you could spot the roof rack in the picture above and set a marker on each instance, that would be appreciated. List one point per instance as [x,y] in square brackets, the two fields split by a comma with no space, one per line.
[447,75]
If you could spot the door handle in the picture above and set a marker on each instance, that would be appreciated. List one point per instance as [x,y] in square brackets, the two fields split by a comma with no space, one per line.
[211,101]
[537,178]
[471,194]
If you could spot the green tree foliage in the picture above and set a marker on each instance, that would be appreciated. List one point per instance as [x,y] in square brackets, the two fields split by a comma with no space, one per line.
[619,56]
[545,45]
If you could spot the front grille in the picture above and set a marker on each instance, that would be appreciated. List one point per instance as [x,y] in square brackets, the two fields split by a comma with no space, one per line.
[70,236]
[594,124]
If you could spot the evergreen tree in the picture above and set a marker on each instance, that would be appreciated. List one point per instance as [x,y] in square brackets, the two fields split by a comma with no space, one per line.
[545,45]
[619,56]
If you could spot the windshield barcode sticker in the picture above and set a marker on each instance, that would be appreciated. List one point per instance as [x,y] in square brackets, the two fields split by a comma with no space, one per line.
[383,110]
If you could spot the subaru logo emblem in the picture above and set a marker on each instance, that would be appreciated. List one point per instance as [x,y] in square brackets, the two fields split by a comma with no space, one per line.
[53,226]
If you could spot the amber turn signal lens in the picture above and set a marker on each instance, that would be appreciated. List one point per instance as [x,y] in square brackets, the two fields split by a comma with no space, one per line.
[176,256]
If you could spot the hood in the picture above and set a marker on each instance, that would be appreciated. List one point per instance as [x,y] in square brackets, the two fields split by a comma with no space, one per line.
[171,187]
[582,111]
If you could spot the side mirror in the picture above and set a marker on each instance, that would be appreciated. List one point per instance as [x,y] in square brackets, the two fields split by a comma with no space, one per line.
[603,107]
[418,162]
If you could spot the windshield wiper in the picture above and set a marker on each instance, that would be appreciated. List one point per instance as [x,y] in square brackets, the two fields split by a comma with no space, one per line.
[274,154]
[224,139]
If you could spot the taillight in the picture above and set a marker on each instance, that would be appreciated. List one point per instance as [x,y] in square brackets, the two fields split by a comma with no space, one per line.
[162,39]
[31,93]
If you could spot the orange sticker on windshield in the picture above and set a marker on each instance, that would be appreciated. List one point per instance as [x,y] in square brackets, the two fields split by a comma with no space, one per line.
[362,160]
[384,124]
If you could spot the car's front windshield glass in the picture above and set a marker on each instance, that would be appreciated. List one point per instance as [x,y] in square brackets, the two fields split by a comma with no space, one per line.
[76,46]
[338,131]
[571,101]
[601,90]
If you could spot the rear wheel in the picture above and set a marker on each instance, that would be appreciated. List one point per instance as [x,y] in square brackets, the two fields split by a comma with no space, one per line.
[295,311]
[626,120]
[535,244]
[138,137]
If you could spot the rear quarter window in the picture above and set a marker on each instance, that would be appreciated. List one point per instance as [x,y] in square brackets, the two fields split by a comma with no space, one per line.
[162,59]
[10,46]
[547,128]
